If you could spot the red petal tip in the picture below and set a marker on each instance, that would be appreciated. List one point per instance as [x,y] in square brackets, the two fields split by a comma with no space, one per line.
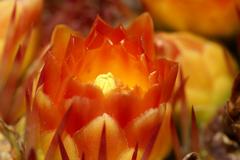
[134,156]
[194,134]
[63,151]
[32,155]
[103,145]
[175,139]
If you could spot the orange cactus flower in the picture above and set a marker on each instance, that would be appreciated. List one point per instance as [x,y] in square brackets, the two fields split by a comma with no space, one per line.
[208,67]
[103,96]
[18,38]
[208,17]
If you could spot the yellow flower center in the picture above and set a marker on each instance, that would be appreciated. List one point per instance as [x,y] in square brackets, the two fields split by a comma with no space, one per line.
[106,82]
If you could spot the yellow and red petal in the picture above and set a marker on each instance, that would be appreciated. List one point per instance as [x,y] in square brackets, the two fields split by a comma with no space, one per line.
[157,117]
[90,139]
[143,26]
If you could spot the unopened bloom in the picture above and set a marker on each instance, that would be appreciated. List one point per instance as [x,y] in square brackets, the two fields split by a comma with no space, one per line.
[207,66]
[103,95]
[18,38]
[208,17]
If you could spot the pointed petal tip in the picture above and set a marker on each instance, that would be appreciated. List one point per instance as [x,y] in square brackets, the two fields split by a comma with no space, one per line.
[103,144]
[194,133]
[32,155]
[135,153]
[63,151]
[175,140]
[13,16]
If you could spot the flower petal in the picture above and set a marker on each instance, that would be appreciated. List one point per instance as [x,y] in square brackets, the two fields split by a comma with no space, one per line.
[136,131]
[88,138]
[143,27]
